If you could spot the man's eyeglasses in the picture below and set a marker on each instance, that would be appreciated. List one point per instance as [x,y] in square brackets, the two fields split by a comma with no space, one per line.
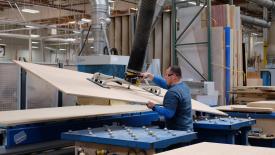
[169,75]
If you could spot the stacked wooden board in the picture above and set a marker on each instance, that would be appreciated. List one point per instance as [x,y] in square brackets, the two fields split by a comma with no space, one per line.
[247,94]
[222,16]
[76,83]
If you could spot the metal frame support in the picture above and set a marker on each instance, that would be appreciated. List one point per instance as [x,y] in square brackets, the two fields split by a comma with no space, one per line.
[174,31]
[23,88]
[209,41]
[175,39]
[60,94]
[189,63]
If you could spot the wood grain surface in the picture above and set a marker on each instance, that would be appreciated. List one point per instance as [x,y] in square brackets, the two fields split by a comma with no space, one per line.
[206,148]
[76,83]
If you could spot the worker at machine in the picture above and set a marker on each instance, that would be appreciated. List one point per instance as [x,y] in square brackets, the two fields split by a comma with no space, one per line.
[176,107]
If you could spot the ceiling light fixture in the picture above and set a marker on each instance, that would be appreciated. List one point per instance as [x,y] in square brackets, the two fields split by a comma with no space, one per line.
[32,11]
[34,47]
[34,36]
[86,20]
[35,42]
[62,49]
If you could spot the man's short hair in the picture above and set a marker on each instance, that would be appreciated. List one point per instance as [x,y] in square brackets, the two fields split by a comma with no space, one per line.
[175,70]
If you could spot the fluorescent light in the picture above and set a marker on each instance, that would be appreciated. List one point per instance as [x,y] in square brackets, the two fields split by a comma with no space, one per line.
[91,39]
[86,20]
[70,39]
[3,44]
[29,26]
[255,34]
[62,49]
[30,11]
[72,22]
[76,31]
[193,3]
[34,47]
[34,36]
[35,42]
[92,47]
[134,9]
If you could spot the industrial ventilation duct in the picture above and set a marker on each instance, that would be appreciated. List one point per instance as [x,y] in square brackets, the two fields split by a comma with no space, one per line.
[255,21]
[142,33]
[100,20]
[270,5]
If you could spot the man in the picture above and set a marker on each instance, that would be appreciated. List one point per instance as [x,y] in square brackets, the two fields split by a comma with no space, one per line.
[177,101]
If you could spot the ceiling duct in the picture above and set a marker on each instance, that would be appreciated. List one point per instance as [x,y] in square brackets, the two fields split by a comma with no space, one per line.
[100,20]
[265,3]
[255,21]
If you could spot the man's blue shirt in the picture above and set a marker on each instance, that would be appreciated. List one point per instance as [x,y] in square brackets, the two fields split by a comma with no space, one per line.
[176,108]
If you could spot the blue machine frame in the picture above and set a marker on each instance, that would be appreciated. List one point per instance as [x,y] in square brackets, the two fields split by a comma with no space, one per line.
[224,130]
[269,142]
[20,135]
[160,139]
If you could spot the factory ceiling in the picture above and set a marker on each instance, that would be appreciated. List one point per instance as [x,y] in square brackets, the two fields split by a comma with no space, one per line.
[68,14]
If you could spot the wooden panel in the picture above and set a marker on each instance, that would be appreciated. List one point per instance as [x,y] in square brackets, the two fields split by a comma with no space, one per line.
[267,125]
[118,36]
[16,117]
[158,41]
[166,46]
[76,83]
[206,148]
[218,59]
[112,33]
[125,35]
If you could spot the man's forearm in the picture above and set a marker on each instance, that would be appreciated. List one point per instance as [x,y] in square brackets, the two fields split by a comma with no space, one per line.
[167,113]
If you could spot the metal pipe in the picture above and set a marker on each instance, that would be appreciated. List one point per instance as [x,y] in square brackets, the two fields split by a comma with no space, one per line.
[255,21]
[100,20]
[209,39]
[174,32]
[265,3]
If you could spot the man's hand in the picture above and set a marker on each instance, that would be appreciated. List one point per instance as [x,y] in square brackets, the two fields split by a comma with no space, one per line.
[150,104]
[146,75]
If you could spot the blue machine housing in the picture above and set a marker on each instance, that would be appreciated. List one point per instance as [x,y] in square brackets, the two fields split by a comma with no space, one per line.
[112,70]
[20,135]
[120,137]
[269,142]
[224,130]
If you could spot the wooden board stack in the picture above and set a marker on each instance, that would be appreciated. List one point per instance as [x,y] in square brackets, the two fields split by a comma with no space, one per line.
[247,94]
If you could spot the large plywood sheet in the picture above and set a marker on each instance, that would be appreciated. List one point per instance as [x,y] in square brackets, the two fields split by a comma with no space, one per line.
[10,118]
[76,83]
[125,35]
[118,32]
[206,148]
